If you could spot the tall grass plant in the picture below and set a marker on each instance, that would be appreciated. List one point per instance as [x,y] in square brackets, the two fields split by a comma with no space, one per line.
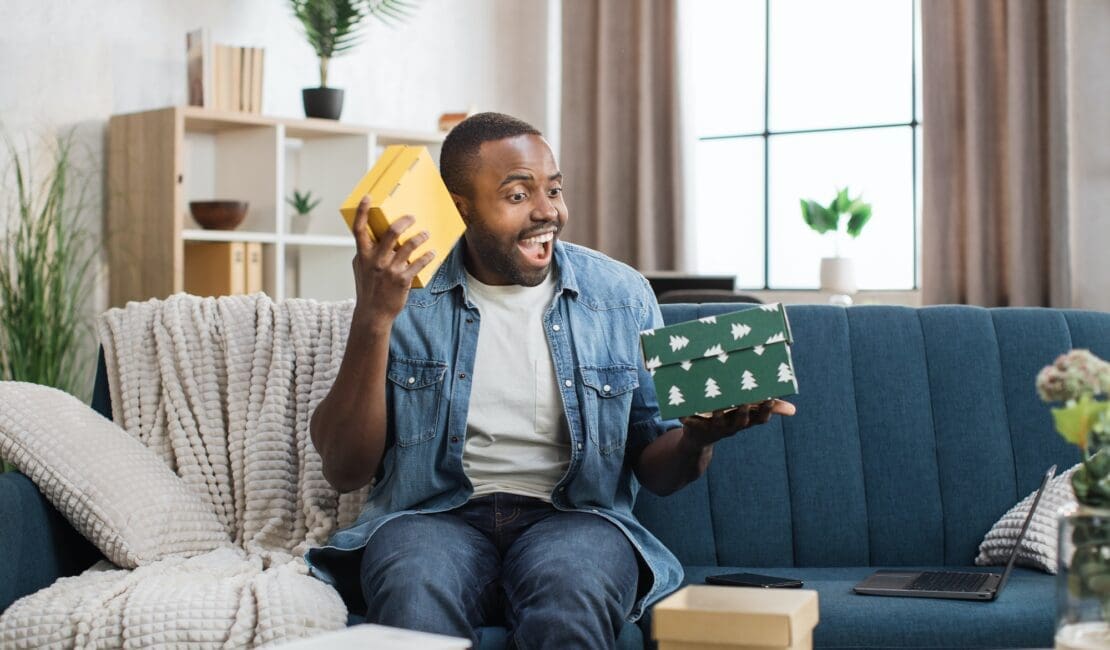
[45,263]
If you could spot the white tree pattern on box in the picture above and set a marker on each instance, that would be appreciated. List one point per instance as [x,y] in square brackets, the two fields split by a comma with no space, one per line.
[711,388]
[679,342]
[686,365]
[748,381]
[652,364]
[785,375]
[708,320]
[740,330]
[675,396]
[758,350]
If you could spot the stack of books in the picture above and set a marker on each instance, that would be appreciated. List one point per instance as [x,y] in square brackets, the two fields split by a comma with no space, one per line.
[223,268]
[223,77]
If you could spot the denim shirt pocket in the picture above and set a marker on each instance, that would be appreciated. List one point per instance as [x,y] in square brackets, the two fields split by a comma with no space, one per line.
[608,397]
[417,386]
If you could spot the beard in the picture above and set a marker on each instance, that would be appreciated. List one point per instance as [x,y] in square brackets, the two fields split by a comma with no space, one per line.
[500,256]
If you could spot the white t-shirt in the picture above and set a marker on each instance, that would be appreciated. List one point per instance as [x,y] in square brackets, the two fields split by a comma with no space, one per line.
[517,439]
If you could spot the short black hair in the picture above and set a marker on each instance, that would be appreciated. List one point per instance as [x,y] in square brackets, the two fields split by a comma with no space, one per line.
[460,149]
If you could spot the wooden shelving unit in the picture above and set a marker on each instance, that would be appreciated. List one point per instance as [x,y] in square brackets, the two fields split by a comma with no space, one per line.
[160,160]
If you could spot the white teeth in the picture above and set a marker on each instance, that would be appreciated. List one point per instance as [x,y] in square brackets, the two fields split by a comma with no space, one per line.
[539,239]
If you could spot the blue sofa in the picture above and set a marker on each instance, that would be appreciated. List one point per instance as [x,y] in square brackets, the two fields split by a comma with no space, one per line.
[916,429]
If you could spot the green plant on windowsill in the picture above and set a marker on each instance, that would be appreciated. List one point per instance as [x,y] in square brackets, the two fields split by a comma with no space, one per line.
[825,219]
[45,257]
[837,272]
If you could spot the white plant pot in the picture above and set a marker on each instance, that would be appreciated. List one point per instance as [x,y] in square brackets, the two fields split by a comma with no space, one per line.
[838,275]
[298,223]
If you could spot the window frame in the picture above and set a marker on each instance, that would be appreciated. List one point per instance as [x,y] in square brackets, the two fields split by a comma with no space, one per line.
[767,134]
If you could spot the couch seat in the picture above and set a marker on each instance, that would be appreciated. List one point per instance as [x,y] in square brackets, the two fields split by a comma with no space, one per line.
[1022,617]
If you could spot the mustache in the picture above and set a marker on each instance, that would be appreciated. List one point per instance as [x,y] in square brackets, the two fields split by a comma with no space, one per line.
[539,230]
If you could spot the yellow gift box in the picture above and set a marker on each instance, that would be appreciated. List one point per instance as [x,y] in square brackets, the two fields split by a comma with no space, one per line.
[405,181]
[716,618]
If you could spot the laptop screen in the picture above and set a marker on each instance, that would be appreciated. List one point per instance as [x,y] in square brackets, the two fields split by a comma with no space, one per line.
[1024,527]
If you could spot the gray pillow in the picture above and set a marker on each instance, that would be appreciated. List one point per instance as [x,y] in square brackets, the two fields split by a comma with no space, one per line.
[111,488]
[1038,549]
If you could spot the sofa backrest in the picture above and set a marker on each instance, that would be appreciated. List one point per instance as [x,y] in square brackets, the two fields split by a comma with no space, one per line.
[916,430]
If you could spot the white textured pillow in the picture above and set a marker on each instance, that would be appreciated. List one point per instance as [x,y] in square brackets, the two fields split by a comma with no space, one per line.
[1038,549]
[112,489]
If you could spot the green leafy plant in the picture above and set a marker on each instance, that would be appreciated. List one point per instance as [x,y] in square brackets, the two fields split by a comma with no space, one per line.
[332,26]
[825,219]
[1081,381]
[302,203]
[45,257]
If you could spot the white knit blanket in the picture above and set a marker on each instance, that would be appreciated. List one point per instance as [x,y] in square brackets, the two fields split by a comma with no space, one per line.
[222,390]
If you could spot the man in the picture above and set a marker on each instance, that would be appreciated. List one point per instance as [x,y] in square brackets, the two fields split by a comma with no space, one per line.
[507,416]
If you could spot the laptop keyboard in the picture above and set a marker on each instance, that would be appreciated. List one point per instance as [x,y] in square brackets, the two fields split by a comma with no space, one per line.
[948,581]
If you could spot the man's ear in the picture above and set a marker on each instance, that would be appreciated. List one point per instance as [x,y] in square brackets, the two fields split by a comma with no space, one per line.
[462,204]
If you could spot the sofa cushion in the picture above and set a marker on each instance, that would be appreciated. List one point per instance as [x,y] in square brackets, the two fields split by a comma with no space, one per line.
[113,490]
[1022,617]
[1038,549]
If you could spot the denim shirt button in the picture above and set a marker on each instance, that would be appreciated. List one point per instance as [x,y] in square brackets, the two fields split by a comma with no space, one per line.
[454,439]
[555,328]
[606,388]
[462,375]
[412,380]
[580,445]
[568,383]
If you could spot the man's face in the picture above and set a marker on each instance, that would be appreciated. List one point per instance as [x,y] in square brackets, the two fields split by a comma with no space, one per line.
[515,211]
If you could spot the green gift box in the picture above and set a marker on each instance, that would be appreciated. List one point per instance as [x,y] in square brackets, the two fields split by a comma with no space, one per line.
[717,362]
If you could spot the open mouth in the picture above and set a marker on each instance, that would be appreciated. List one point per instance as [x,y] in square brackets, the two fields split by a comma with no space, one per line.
[537,248]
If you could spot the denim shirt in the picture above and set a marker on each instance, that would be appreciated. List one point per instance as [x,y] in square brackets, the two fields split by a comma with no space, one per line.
[592,328]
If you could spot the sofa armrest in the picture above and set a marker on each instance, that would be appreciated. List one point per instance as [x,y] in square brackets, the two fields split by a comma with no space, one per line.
[37,544]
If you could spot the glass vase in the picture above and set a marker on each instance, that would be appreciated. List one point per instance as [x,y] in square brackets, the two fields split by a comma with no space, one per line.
[1083,580]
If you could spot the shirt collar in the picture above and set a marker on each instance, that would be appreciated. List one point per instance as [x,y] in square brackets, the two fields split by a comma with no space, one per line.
[452,273]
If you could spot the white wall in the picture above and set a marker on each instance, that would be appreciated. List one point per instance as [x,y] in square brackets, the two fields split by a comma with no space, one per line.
[74,63]
[1089,146]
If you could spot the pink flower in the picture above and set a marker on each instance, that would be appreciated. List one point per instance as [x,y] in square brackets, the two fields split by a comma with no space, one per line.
[1073,374]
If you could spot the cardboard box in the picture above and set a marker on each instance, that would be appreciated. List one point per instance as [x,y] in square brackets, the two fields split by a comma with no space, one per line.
[717,362]
[711,617]
[405,181]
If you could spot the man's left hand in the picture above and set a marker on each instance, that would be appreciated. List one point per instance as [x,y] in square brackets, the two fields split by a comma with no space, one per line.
[706,430]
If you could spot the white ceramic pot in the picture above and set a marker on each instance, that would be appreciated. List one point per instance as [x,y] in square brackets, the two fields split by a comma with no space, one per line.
[838,275]
[298,223]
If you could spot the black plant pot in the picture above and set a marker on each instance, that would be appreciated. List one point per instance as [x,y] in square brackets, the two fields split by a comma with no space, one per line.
[323,102]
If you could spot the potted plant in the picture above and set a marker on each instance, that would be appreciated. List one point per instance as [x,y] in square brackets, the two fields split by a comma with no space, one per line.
[331,27]
[302,205]
[1080,382]
[45,257]
[837,272]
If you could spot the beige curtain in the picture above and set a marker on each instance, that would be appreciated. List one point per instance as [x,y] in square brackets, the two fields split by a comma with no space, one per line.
[994,208]
[620,142]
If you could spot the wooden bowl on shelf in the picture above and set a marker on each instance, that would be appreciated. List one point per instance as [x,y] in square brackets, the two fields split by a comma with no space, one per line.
[219,215]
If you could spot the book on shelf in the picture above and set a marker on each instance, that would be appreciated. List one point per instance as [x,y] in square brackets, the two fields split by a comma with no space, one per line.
[199,67]
[223,77]
[215,268]
[405,181]
[253,283]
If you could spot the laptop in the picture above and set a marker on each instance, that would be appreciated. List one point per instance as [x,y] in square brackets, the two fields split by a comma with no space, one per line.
[962,585]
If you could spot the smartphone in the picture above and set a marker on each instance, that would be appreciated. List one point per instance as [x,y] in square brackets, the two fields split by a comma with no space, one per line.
[753,580]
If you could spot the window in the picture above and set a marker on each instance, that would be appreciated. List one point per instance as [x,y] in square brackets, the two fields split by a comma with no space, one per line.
[792,99]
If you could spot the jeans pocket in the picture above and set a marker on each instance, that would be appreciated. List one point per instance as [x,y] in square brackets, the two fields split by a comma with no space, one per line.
[416,386]
[608,403]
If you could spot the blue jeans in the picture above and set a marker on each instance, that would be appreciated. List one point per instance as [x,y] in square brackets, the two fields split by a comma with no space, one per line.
[555,579]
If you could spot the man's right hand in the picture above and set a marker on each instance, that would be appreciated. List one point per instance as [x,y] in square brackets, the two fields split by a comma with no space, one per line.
[383,275]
